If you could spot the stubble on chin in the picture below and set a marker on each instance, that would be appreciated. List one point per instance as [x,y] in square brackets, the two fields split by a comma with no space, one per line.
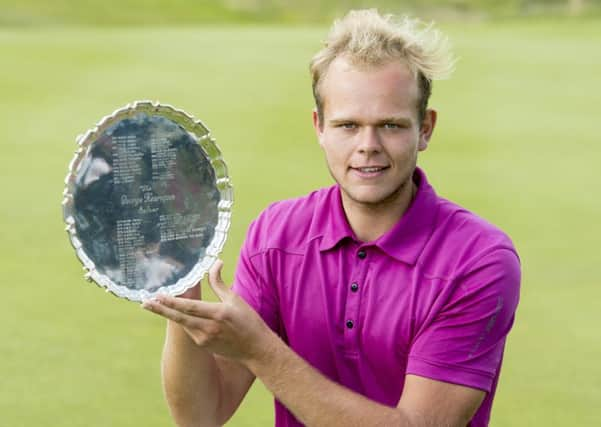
[381,202]
[398,195]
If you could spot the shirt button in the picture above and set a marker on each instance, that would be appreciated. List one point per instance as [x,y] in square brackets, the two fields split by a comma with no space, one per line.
[361,254]
[354,287]
[349,324]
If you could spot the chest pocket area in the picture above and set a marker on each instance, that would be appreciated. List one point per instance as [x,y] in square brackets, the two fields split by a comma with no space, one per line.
[388,324]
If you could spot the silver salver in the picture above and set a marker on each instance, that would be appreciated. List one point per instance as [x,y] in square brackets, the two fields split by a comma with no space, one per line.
[147,201]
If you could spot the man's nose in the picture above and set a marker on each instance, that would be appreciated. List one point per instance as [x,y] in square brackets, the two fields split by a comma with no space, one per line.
[369,140]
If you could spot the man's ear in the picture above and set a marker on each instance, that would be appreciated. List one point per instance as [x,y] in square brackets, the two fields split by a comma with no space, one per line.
[427,128]
[317,125]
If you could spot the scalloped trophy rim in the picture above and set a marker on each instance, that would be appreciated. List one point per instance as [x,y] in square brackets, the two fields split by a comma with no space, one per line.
[202,135]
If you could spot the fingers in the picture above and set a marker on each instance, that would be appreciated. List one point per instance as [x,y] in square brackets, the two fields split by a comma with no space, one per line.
[216,282]
[181,317]
[196,308]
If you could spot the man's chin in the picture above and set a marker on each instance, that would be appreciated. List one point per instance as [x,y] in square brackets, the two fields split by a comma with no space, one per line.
[373,196]
[368,198]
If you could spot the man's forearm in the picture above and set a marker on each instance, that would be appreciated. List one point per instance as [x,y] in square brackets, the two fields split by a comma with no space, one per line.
[314,399]
[190,380]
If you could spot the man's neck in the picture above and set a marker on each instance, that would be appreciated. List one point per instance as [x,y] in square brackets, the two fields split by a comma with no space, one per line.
[370,221]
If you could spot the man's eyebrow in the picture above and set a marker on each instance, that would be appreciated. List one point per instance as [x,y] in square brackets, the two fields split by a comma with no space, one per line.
[341,120]
[401,120]
[336,122]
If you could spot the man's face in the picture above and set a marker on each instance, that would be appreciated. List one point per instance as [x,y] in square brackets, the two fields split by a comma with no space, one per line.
[370,132]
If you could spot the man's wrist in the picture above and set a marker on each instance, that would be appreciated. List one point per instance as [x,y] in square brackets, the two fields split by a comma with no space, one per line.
[266,353]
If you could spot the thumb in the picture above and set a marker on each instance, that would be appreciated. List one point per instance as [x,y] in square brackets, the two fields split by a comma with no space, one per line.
[216,282]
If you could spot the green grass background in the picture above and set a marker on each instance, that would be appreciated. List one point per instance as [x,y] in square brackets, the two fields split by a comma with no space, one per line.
[517,142]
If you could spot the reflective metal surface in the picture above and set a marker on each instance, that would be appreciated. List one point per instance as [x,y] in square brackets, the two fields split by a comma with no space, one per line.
[147,201]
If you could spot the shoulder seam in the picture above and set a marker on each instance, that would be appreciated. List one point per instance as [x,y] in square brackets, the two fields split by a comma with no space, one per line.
[474,259]
[265,250]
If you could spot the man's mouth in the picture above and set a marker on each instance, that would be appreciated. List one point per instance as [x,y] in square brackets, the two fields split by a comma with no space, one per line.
[371,169]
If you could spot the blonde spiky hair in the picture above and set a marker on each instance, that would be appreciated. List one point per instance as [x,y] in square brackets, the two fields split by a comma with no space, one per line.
[368,39]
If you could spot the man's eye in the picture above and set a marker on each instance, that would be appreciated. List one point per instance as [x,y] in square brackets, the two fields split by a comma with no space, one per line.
[348,125]
[391,126]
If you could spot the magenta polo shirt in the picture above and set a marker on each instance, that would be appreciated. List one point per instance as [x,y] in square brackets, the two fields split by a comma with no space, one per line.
[435,296]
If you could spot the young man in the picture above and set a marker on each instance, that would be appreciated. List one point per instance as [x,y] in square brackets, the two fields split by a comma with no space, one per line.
[372,302]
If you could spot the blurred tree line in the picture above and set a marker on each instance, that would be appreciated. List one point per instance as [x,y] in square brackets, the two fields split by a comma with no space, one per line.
[193,12]
[314,9]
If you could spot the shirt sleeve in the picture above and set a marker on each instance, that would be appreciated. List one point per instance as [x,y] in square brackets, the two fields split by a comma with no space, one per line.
[251,280]
[464,342]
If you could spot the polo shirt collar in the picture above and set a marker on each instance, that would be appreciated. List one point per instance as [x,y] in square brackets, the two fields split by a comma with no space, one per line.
[404,241]
[335,226]
[407,238]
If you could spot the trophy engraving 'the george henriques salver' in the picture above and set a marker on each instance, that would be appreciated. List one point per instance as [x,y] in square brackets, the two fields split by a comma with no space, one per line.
[147,201]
